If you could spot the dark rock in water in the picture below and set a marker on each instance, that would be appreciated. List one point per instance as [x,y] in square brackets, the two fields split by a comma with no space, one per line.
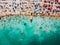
[24,23]
[58,26]
[4,20]
[2,24]
[0,18]
[42,23]
[46,25]
[40,27]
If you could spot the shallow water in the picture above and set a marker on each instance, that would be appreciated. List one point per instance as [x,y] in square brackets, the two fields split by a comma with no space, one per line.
[20,31]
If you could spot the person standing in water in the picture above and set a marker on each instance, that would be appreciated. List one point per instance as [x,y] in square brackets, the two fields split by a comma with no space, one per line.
[31,17]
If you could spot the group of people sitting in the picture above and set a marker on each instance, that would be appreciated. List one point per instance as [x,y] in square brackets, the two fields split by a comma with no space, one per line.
[37,8]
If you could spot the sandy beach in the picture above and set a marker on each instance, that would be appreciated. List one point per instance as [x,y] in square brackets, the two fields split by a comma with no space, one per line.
[34,15]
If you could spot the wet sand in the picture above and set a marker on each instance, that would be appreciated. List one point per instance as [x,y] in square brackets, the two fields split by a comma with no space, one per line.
[34,15]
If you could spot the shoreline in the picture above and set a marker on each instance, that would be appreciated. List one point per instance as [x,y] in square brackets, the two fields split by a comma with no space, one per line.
[34,15]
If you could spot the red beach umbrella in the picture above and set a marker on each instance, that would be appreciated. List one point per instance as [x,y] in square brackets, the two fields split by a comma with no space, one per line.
[56,0]
[28,0]
[44,5]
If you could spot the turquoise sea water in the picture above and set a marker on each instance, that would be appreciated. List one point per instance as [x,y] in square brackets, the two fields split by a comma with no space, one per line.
[20,31]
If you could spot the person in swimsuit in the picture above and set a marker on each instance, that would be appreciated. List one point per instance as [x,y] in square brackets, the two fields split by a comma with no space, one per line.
[31,17]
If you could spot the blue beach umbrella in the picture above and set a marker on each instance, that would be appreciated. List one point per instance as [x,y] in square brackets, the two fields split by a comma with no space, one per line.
[36,0]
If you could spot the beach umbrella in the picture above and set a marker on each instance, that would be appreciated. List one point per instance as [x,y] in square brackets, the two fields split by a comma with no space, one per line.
[44,5]
[52,2]
[56,0]
[49,7]
[18,1]
[58,5]
[28,0]
[36,0]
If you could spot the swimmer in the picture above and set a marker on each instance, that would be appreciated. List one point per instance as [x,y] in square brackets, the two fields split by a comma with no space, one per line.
[31,17]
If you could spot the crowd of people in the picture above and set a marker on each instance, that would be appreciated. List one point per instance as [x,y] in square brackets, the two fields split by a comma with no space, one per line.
[48,7]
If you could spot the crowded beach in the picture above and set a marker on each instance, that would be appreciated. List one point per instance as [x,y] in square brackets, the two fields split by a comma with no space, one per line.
[46,8]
